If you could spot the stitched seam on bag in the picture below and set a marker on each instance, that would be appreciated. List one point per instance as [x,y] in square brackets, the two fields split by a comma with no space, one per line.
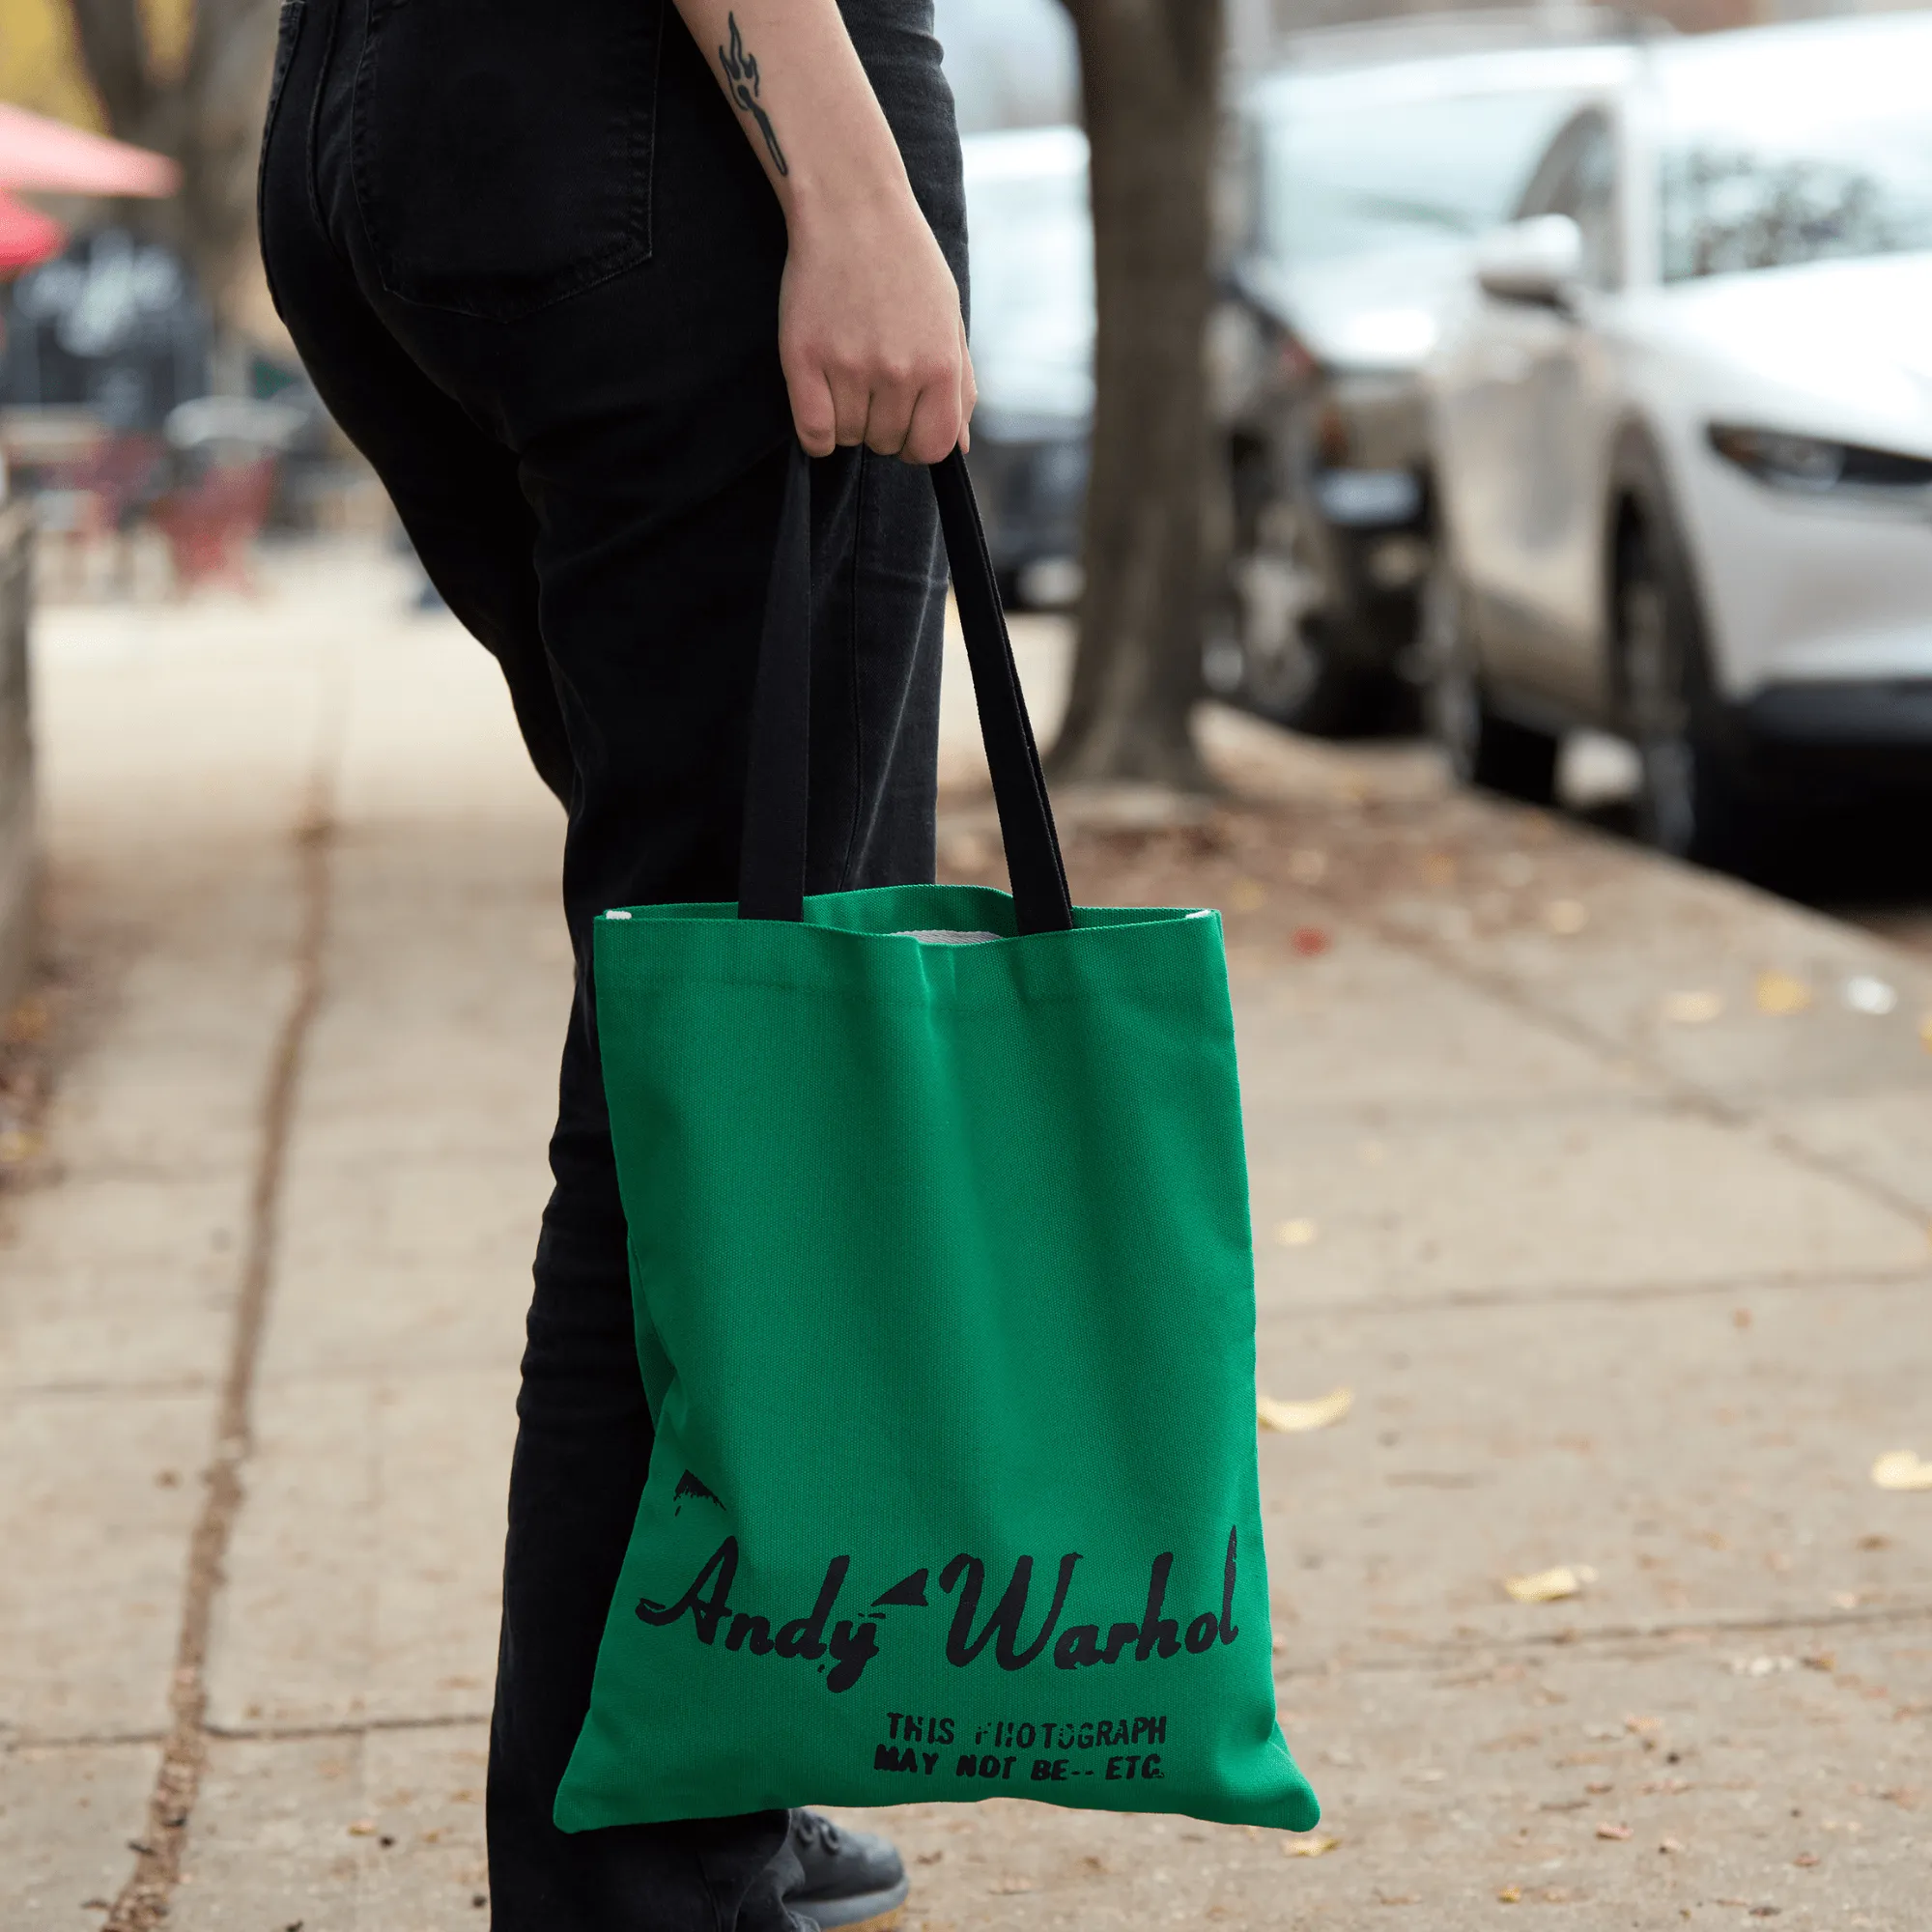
[994,1000]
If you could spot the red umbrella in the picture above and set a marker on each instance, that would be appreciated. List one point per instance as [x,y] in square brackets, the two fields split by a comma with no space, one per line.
[26,236]
[36,153]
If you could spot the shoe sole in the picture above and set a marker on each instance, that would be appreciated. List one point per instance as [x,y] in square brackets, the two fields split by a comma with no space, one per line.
[869,1912]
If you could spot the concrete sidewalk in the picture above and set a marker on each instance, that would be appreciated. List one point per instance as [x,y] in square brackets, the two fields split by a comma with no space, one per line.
[1626,1273]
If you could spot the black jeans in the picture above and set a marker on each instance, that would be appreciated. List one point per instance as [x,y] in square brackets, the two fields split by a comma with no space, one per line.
[532,265]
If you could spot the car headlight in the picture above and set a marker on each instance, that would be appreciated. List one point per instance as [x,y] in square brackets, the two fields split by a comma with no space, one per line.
[1813,466]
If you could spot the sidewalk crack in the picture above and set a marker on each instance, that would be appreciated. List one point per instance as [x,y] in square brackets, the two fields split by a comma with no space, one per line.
[144,1901]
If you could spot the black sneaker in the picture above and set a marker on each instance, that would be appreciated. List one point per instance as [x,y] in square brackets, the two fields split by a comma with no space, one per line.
[853,1882]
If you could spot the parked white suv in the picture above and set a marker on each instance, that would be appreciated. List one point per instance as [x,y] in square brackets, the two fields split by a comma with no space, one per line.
[1684,441]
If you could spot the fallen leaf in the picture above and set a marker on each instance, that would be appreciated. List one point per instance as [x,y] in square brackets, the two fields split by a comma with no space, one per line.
[1309,939]
[18,1145]
[1010,1888]
[1670,1844]
[1319,1846]
[1510,1894]
[1783,993]
[1618,1833]
[1864,993]
[1691,1009]
[1248,895]
[1806,1859]
[1551,1586]
[27,1023]
[1566,918]
[1295,1234]
[1297,1418]
[363,1828]
[1903,1469]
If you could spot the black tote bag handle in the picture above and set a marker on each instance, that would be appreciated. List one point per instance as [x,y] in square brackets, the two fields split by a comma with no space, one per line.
[771,875]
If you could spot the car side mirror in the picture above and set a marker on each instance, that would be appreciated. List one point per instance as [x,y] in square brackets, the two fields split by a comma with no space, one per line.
[1538,261]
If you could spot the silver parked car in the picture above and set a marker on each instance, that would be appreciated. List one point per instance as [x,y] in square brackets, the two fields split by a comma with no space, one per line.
[1369,166]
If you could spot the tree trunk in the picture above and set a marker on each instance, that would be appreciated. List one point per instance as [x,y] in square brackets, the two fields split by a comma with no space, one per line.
[1150,71]
[207,117]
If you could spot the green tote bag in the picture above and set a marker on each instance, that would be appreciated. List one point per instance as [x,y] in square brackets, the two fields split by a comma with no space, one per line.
[945,1303]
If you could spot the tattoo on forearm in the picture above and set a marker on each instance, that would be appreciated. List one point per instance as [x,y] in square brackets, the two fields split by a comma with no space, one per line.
[741,82]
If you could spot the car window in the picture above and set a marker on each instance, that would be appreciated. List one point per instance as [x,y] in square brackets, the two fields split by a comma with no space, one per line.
[1340,182]
[1823,154]
[1579,178]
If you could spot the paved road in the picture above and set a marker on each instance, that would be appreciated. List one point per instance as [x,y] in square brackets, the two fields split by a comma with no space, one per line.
[1578,1171]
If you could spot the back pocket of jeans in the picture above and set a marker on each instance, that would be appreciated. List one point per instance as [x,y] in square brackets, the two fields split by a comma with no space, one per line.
[503,148]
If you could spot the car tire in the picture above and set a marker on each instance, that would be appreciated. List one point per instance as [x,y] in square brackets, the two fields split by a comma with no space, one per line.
[1290,669]
[1694,798]
[1485,748]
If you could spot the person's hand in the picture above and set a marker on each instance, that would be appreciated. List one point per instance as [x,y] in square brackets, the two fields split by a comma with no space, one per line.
[869,330]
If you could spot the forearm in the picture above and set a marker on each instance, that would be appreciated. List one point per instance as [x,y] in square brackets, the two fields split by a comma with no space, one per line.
[869,333]
[790,71]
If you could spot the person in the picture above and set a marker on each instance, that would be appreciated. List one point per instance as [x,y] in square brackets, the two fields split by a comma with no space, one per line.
[573,276]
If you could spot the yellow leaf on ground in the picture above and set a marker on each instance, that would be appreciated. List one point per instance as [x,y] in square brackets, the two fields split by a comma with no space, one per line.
[1296,1234]
[1310,1848]
[1297,1418]
[1510,1894]
[1551,1586]
[1780,993]
[1903,1469]
[1691,1009]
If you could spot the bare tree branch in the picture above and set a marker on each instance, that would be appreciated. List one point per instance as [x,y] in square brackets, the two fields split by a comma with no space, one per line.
[114,51]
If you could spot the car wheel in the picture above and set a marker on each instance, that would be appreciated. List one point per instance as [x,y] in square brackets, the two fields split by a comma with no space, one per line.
[1289,668]
[1484,748]
[1692,802]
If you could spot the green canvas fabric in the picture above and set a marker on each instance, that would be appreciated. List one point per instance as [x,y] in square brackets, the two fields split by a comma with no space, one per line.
[945,1301]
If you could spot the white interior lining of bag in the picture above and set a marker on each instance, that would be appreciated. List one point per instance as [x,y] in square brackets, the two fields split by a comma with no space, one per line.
[932,936]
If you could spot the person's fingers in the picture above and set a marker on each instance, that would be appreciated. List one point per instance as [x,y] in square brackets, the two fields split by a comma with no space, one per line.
[936,424]
[851,401]
[813,411]
[888,417]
